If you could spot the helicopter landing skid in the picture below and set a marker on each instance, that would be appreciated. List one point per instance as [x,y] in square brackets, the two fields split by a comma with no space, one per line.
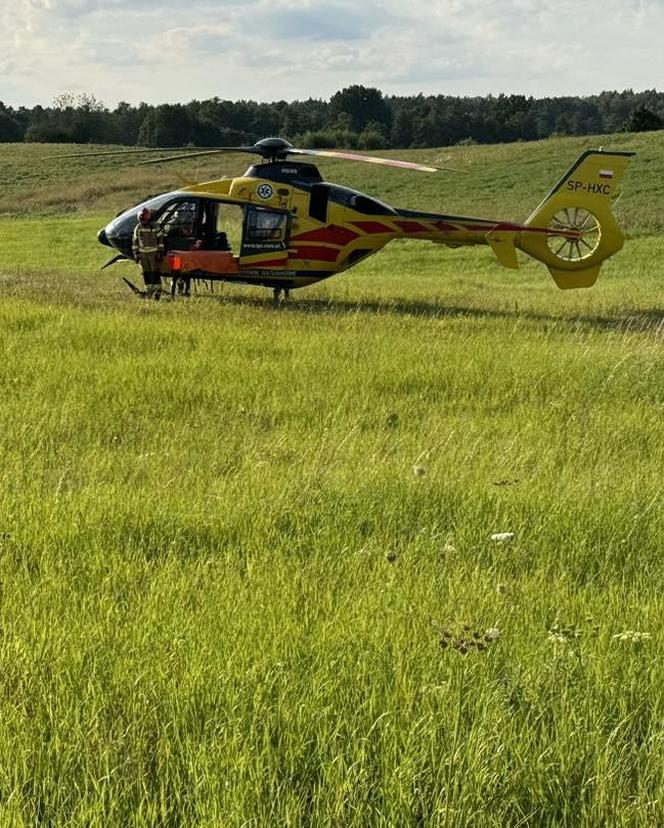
[180,286]
[133,288]
[144,294]
[280,295]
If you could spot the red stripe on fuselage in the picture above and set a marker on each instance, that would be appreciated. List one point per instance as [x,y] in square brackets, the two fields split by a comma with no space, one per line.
[485,228]
[412,227]
[315,254]
[444,227]
[373,227]
[332,234]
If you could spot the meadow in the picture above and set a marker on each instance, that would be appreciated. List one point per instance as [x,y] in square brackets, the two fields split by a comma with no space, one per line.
[247,573]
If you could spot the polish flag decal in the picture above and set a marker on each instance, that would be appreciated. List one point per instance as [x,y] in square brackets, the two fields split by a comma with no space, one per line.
[606,173]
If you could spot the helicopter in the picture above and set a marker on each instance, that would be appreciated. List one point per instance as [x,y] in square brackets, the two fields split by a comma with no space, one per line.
[298,229]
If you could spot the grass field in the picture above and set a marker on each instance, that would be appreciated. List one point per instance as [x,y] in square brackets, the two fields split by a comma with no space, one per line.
[246,568]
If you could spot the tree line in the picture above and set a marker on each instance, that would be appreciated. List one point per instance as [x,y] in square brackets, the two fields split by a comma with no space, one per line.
[355,117]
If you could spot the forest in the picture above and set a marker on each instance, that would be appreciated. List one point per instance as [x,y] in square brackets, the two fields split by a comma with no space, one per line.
[355,117]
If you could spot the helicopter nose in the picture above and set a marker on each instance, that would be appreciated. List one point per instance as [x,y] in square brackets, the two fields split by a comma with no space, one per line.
[102,238]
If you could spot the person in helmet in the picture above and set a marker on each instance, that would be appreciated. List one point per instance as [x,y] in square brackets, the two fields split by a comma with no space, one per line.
[148,248]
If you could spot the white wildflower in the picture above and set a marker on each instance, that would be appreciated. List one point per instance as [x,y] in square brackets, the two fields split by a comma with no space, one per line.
[557,637]
[632,636]
[502,537]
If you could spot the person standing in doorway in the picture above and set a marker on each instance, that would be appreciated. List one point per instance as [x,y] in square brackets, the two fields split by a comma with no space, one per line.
[148,249]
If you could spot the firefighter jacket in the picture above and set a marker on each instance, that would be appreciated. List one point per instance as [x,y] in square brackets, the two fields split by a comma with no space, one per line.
[147,239]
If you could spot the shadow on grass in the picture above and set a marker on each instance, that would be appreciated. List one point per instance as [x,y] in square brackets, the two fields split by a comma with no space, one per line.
[641,320]
[644,319]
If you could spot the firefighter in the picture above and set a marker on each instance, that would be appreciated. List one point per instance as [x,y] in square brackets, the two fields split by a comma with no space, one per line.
[148,247]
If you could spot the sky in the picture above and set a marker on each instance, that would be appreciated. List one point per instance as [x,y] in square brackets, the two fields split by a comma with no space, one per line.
[268,50]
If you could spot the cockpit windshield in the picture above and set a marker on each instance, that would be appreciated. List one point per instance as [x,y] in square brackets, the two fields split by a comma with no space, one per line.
[119,231]
[155,203]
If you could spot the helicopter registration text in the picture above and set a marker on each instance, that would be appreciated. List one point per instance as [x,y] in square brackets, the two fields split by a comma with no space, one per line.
[593,189]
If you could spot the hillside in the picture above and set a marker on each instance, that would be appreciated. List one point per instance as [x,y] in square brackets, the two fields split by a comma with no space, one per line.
[505,180]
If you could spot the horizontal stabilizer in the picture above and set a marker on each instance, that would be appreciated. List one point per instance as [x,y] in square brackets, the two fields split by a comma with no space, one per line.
[503,245]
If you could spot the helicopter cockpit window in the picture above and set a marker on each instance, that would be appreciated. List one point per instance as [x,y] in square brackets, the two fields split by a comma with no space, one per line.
[265,229]
[265,225]
[178,223]
[122,226]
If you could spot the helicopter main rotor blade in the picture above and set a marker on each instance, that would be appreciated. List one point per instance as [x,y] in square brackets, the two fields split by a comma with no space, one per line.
[371,159]
[143,150]
[198,154]
[270,149]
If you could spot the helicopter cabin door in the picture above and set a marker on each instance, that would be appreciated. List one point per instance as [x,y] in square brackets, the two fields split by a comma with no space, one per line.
[179,223]
[265,230]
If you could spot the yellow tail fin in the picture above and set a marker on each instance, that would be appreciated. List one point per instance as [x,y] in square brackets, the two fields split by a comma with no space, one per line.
[573,230]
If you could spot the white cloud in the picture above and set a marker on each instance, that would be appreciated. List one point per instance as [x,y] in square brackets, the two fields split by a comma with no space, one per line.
[274,49]
[325,21]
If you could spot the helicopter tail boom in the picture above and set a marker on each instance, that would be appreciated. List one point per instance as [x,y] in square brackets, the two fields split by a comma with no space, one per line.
[574,230]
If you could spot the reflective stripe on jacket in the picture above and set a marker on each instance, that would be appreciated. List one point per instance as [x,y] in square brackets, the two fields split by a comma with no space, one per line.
[147,239]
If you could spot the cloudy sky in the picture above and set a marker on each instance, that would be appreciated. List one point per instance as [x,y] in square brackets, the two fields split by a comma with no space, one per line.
[176,50]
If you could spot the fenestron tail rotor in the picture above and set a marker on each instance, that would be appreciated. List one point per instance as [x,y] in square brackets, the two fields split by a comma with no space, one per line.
[581,242]
[269,149]
[579,231]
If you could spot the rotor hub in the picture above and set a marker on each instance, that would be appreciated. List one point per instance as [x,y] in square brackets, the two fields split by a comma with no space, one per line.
[273,149]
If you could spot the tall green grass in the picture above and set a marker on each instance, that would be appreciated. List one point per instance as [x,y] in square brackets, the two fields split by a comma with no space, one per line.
[246,567]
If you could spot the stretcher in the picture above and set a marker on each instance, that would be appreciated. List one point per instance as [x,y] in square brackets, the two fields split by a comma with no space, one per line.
[201,262]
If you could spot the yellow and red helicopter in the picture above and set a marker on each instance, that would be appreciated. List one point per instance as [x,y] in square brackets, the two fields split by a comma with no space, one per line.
[298,229]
